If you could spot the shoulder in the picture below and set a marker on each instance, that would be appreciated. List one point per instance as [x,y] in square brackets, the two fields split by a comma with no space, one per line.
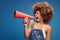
[48,27]
[31,21]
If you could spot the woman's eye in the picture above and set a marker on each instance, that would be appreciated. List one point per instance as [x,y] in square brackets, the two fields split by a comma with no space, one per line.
[36,13]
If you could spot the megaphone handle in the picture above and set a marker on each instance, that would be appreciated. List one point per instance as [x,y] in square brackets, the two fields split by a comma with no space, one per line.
[25,20]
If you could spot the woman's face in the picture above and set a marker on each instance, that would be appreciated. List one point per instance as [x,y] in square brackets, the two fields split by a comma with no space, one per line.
[38,16]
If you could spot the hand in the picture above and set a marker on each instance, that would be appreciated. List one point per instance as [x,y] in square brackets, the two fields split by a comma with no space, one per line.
[26,24]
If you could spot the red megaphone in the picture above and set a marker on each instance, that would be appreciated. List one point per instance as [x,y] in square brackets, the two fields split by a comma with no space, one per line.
[18,14]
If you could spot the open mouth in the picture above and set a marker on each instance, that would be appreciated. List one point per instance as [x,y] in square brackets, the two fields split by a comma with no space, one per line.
[36,17]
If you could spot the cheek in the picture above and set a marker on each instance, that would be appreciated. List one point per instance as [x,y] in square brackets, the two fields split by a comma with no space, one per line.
[39,16]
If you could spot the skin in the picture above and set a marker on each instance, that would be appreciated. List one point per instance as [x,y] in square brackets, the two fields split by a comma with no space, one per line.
[38,25]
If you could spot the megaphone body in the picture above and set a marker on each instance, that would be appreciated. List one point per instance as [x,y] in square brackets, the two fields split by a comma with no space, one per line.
[18,14]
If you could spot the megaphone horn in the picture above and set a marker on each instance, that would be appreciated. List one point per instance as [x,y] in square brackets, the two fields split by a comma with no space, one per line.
[18,14]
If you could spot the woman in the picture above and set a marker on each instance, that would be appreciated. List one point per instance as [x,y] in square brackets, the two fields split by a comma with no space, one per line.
[39,29]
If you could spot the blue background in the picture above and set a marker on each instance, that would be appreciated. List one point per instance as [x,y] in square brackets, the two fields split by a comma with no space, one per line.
[13,29]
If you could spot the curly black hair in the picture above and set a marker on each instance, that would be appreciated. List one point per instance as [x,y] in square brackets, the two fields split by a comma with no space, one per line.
[45,9]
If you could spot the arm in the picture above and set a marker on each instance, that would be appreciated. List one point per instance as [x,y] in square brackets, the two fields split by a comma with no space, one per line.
[48,33]
[27,29]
